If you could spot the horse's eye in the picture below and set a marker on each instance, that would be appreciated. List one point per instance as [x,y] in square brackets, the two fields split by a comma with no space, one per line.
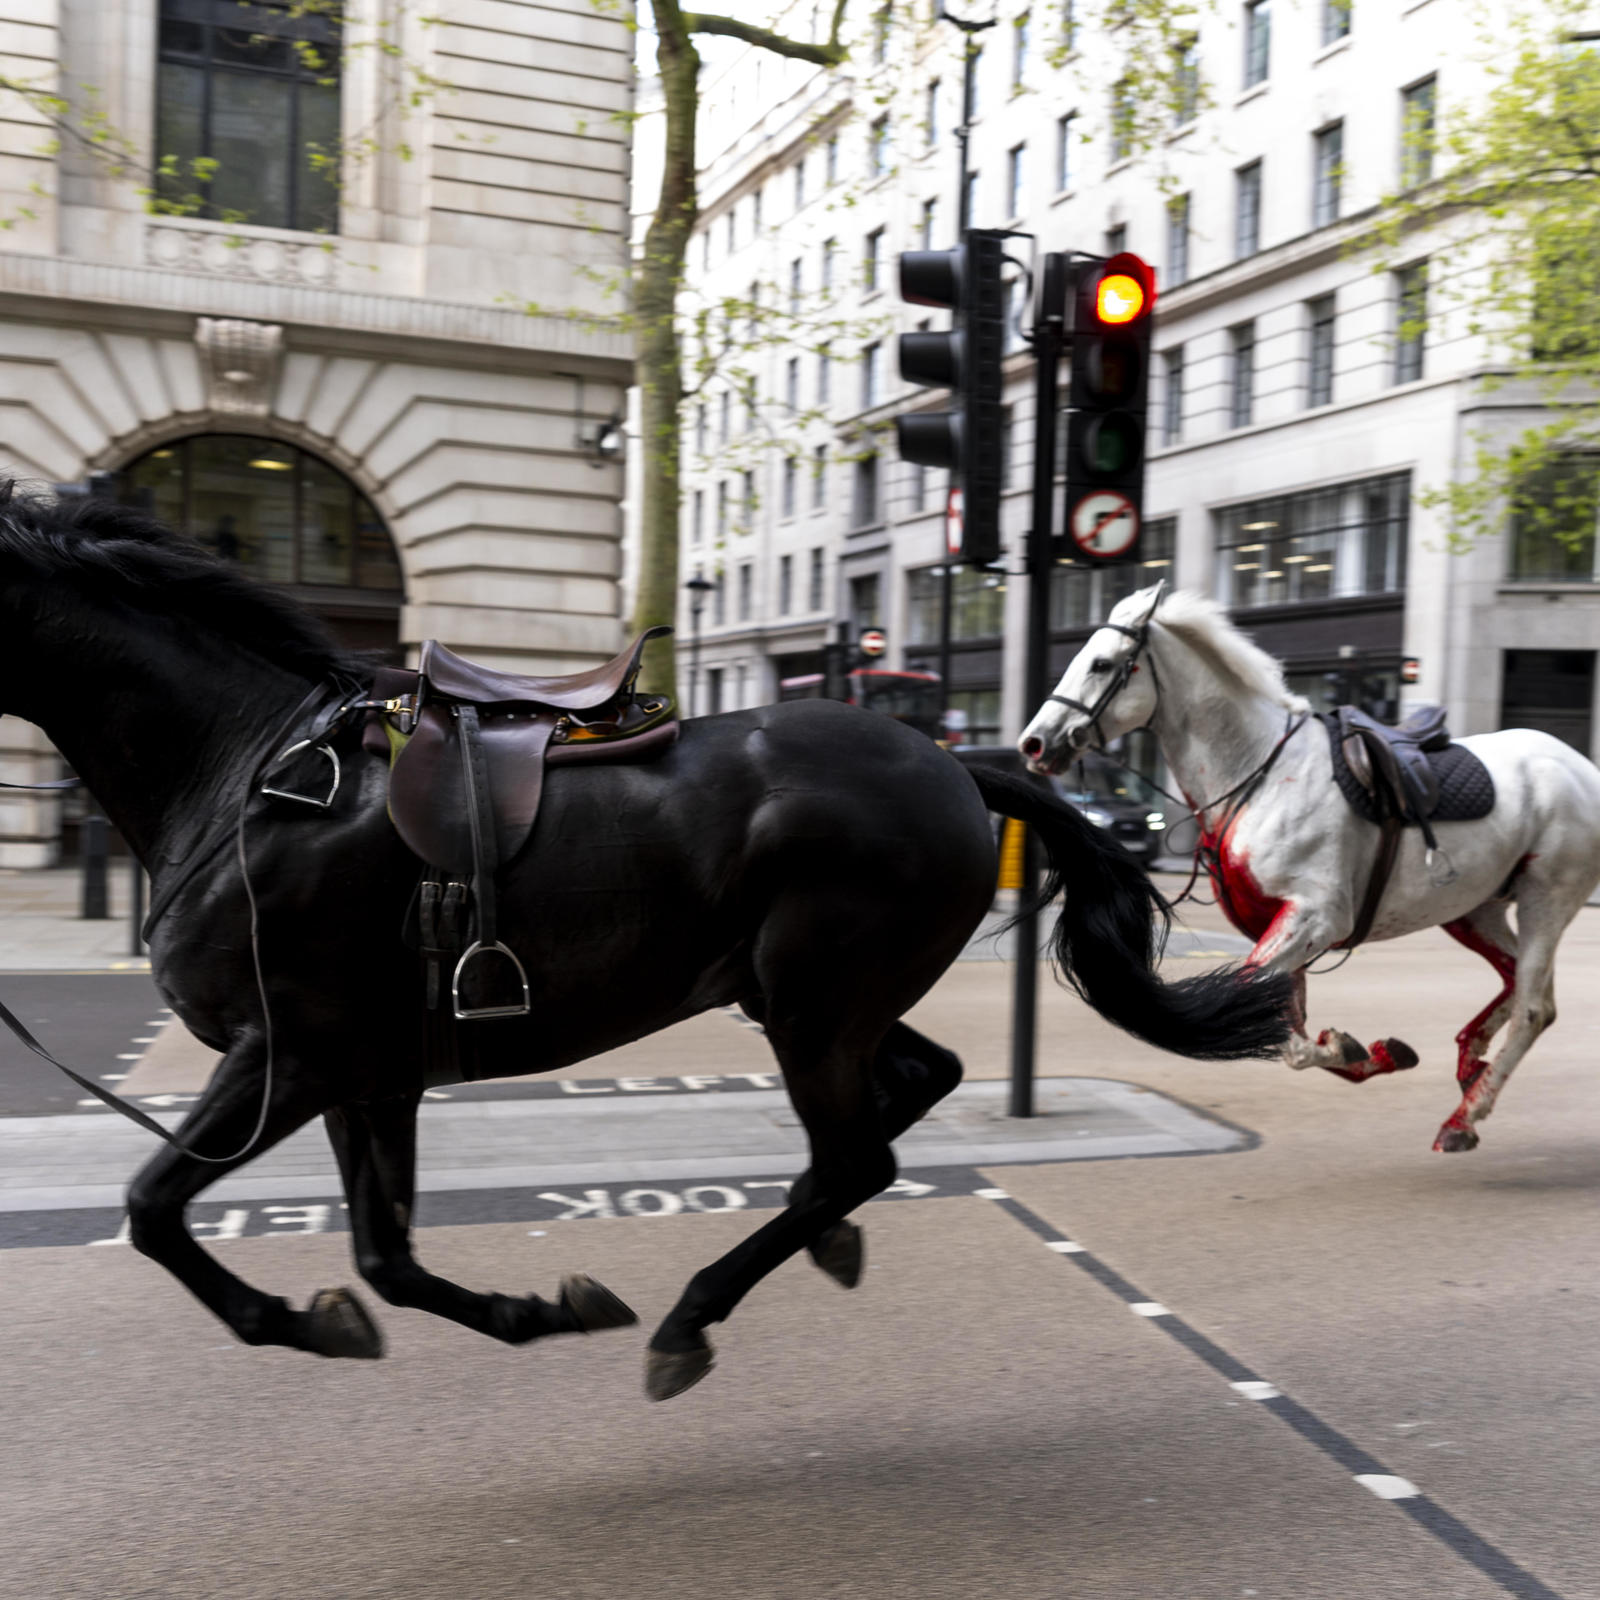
[1101,665]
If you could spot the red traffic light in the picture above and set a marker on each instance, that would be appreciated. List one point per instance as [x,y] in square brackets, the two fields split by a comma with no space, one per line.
[1121,292]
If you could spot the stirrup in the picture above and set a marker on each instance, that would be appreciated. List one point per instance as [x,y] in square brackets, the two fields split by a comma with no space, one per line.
[475,1013]
[305,799]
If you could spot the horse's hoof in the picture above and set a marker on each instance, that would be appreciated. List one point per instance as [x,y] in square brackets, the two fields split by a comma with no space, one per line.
[337,1324]
[841,1252]
[1453,1139]
[593,1306]
[670,1372]
[1401,1056]
[1351,1050]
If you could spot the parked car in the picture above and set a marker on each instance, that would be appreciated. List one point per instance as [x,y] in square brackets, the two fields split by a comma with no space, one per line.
[1120,802]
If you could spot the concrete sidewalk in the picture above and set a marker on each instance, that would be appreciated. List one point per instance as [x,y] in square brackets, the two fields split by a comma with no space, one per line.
[41,930]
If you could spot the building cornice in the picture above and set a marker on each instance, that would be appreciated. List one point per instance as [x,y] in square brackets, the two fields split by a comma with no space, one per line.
[27,280]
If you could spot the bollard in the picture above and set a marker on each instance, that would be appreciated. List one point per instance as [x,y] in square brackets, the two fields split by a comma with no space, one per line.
[93,843]
[135,906]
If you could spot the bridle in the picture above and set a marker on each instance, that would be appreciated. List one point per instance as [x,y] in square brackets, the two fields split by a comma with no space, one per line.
[1122,674]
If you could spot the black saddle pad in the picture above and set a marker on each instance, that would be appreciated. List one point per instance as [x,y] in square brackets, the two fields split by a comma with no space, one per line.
[1466,791]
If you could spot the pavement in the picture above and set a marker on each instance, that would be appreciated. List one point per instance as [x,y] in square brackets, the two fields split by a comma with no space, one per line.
[1289,1352]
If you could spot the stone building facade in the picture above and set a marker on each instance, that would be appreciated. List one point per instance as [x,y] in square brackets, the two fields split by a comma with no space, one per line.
[384,392]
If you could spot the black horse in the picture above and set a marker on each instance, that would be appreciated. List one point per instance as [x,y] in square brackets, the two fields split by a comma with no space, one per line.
[817,865]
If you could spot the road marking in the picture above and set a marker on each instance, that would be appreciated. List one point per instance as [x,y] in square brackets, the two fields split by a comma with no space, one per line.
[145,1038]
[112,1077]
[991,1194]
[1388,1487]
[1369,1472]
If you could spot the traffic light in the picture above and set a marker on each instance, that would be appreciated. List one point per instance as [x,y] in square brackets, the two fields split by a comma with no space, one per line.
[967,360]
[1110,302]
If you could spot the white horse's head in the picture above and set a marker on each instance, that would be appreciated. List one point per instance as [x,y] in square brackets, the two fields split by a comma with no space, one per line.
[1107,690]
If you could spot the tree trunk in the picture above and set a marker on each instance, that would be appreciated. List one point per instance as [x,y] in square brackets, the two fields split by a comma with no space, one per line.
[660,360]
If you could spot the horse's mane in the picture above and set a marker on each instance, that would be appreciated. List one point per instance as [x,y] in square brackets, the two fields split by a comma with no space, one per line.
[1204,626]
[118,553]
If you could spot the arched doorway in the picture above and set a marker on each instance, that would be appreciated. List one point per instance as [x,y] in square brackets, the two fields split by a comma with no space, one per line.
[287,518]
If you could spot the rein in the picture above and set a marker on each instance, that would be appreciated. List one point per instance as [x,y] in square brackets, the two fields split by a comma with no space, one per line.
[272,754]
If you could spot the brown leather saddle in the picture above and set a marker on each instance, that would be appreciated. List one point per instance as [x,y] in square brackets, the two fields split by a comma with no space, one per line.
[468,749]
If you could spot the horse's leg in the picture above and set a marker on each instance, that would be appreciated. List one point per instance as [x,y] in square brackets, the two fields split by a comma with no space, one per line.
[1295,939]
[375,1143]
[1487,933]
[829,1082]
[335,1323]
[910,1075]
[1545,905]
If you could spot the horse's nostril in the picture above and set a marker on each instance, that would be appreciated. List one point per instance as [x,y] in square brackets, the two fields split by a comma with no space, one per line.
[1033,748]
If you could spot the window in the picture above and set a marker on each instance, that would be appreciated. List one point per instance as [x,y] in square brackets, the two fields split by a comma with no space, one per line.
[1551,690]
[972,198]
[866,603]
[747,501]
[1185,82]
[797,278]
[1417,132]
[1083,592]
[1014,164]
[1411,321]
[871,375]
[1121,121]
[755,212]
[277,511]
[1241,375]
[930,218]
[800,184]
[1064,152]
[746,589]
[819,478]
[831,161]
[930,113]
[790,480]
[705,249]
[872,261]
[1116,238]
[722,509]
[1069,24]
[1319,376]
[864,496]
[791,383]
[1335,20]
[974,105]
[1178,241]
[1019,52]
[247,113]
[1247,210]
[814,583]
[1328,174]
[724,416]
[1008,434]
[697,519]
[1172,396]
[1317,545]
[1553,516]
[785,585]
[878,148]
[880,37]
[977,604]
[919,488]
[719,615]
[824,378]
[1013,338]
[752,300]
[1257,41]
[733,229]
[829,248]
[700,428]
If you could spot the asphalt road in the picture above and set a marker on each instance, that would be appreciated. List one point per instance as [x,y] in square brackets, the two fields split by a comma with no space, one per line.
[1215,1395]
[93,1021]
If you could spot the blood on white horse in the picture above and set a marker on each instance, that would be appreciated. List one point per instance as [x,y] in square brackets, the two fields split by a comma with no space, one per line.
[1290,860]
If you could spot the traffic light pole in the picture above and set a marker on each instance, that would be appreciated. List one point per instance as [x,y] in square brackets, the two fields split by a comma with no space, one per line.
[1049,344]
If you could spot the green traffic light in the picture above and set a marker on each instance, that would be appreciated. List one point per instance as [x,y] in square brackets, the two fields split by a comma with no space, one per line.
[1112,443]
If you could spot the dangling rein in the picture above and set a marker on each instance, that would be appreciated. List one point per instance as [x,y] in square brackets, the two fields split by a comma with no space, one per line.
[273,753]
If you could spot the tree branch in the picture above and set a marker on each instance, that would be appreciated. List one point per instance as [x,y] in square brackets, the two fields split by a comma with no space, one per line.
[822,55]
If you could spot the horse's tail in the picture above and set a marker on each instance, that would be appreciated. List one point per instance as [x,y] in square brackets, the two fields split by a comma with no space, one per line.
[1106,942]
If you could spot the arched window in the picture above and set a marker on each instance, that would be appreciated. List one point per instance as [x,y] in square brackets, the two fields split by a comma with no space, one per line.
[287,518]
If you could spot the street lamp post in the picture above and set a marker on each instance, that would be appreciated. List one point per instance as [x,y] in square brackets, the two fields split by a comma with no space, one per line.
[969,54]
[699,586]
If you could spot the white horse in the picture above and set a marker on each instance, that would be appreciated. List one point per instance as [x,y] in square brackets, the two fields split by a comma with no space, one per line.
[1291,861]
